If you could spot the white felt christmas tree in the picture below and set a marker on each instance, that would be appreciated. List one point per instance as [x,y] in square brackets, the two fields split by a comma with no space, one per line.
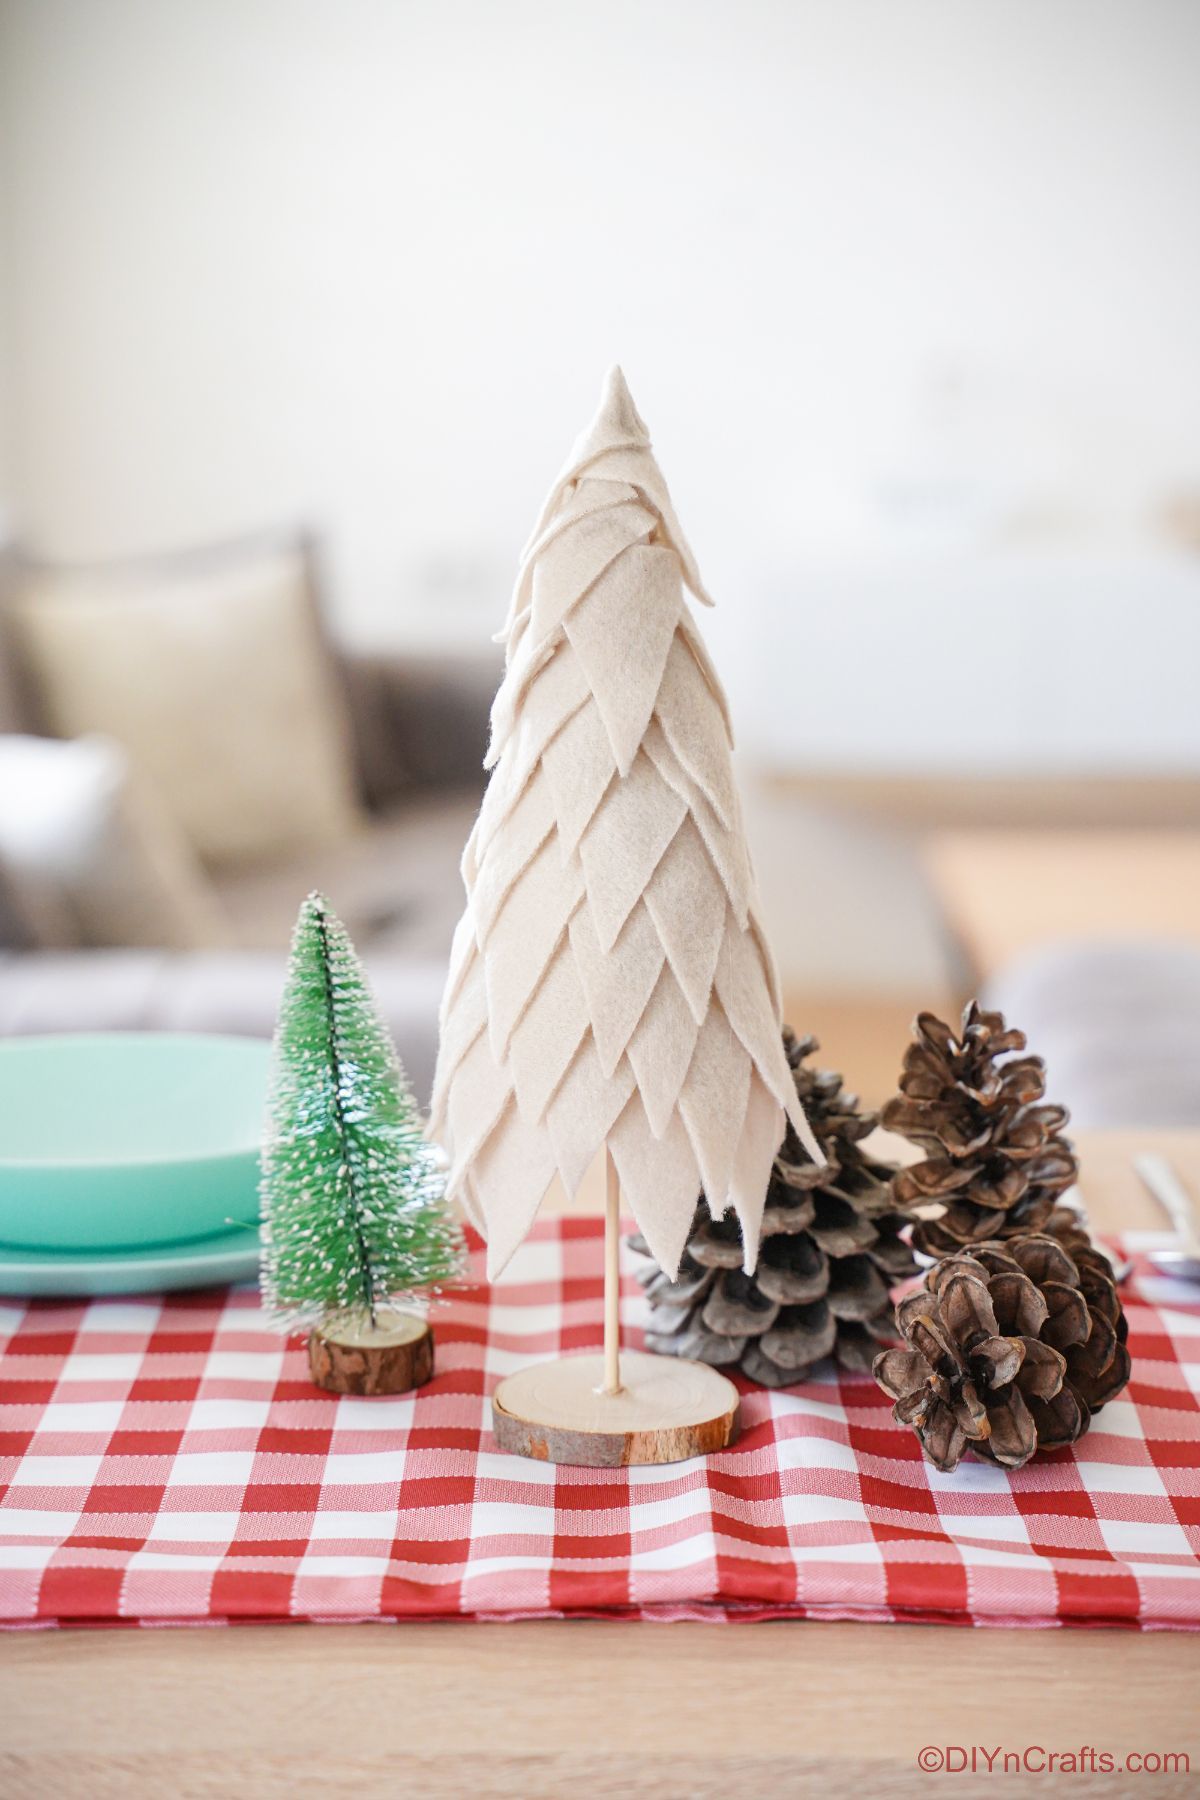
[610,985]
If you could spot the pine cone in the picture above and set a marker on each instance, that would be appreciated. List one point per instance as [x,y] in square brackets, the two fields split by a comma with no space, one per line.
[997,1158]
[831,1249]
[1010,1350]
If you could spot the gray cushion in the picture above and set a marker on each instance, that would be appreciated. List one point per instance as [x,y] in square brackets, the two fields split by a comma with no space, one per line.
[396,885]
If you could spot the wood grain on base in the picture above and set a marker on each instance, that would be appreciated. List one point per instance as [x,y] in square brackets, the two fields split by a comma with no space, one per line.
[666,1411]
[388,1358]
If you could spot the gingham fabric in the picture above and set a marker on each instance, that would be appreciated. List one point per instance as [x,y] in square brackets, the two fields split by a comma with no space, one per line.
[166,1460]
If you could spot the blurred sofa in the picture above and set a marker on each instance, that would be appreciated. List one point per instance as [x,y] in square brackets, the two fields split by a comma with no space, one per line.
[415,728]
[1117,1022]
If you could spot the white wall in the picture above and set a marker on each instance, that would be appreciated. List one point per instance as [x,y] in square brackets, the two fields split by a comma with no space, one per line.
[877,270]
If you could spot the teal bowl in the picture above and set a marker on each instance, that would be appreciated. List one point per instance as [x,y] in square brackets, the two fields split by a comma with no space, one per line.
[129,1140]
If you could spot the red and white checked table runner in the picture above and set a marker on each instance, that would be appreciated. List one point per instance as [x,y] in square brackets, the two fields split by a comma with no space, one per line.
[166,1460]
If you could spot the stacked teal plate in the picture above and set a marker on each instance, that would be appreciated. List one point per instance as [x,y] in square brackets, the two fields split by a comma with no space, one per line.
[129,1162]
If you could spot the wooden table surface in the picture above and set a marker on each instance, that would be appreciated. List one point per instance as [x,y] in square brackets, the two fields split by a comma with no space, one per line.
[621,1708]
[1003,893]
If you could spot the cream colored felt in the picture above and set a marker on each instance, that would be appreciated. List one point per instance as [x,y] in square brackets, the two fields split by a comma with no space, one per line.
[625,843]
[622,632]
[619,983]
[687,915]
[715,1097]
[609,981]
[587,1105]
[579,558]
[687,711]
[616,447]
[578,765]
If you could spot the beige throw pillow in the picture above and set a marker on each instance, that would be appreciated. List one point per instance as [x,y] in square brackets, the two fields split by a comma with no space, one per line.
[217,684]
[92,854]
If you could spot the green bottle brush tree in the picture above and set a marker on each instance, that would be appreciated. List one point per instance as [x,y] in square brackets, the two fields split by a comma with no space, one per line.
[355,1224]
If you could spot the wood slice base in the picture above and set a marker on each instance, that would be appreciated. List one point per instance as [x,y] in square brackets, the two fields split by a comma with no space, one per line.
[667,1410]
[388,1358]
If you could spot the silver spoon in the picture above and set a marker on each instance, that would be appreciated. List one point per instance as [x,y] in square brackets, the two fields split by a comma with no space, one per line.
[1182,1259]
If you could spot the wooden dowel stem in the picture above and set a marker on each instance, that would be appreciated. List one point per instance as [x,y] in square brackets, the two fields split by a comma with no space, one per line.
[612,1279]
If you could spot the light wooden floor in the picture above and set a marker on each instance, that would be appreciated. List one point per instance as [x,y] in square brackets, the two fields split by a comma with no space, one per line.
[677,1712]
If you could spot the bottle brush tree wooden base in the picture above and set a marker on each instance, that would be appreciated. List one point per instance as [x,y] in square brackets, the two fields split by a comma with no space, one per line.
[389,1357]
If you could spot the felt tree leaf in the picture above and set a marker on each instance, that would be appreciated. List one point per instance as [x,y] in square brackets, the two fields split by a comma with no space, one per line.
[659,1178]
[751,1174]
[767,960]
[592,496]
[464,1022]
[523,732]
[695,643]
[622,632]
[575,560]
[637,466]
[587,1104]
[463,952]
[547,1035]
[687,901]
[525,936]
[715,1097]
[528,662]
[476,1098]
[617,426]
[554,701]
[741,984]
[695,728]
[624,844]
[726,849]
[511,1173]
[579,767]
[618,982]
[510,853]
[660,1051]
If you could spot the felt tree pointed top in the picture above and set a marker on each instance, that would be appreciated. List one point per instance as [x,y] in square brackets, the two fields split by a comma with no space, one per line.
[609,981]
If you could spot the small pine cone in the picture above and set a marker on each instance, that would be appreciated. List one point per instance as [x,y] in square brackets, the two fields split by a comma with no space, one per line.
[1009,1350]
[997,1159]
[830,1252]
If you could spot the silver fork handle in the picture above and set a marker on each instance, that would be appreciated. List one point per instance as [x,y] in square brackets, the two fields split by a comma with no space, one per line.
[1161,1179]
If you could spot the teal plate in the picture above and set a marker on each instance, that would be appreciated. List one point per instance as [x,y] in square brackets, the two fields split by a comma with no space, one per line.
[127,1143]
[233,1257]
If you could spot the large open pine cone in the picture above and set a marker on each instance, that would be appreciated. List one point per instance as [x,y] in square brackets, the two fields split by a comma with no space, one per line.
[996,1156]
[1010,1349]
[831,1249]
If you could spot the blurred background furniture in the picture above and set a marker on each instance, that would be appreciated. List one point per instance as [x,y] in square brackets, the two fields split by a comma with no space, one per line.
[1090,940]
[1006,893]
[880,894]
[416,728]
